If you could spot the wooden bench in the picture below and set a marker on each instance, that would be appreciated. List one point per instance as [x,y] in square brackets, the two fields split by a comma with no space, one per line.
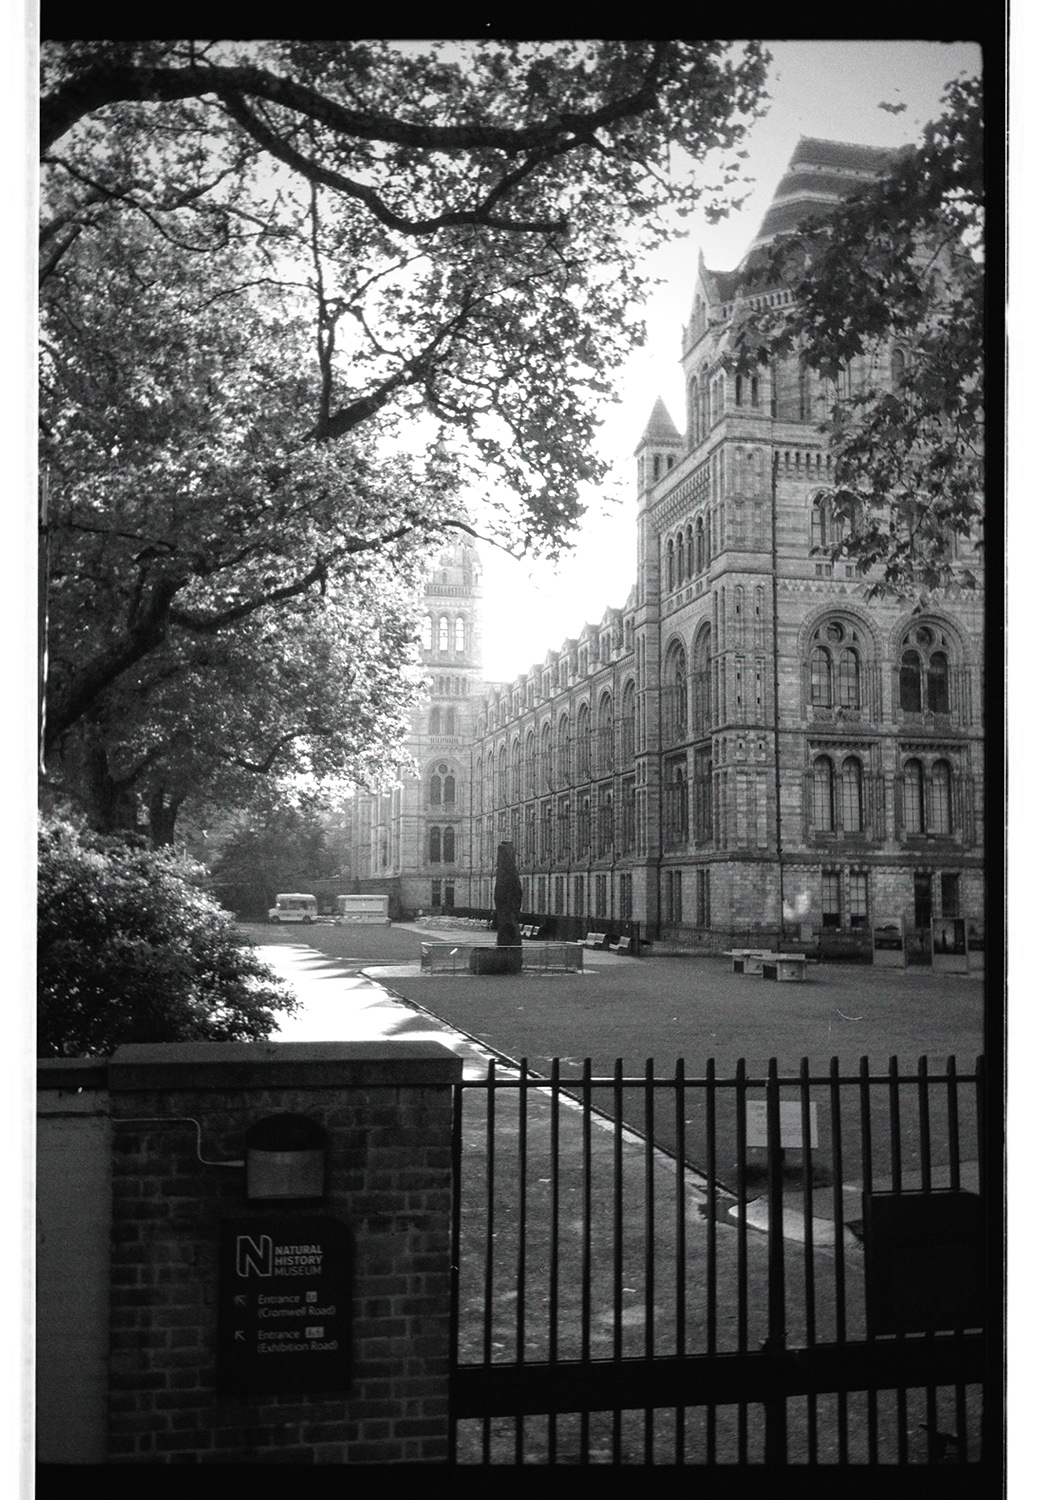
[594,940]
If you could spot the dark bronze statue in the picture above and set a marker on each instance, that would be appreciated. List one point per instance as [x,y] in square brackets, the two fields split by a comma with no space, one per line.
[506,958]
[507,898]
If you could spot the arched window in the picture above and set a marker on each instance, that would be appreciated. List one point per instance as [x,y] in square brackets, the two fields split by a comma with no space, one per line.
[925,670]
[820,677]
[444,633]
[913,797]
[448,846]
[584,743]
[564,750]
[516,771]
[939,809]
[671,565]
[605,751]
[677,705]
[825,531]
[441,786]
[449,790]
[435,790]
[435,721]
[435,846]
[702,664]
[738,391]
[426,633]
[690,560]
[823,799]
[680,559]
[851,801]
[459,634]
[547,768]
[448,721]
[834,666]
[701,545]
[936,695]
[627,726]
[502,775]
[848,665]
[531,763]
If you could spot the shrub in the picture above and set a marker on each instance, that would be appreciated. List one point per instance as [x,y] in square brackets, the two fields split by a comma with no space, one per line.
[130,949]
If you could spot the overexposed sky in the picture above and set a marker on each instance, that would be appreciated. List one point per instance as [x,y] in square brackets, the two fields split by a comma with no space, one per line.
[830,89]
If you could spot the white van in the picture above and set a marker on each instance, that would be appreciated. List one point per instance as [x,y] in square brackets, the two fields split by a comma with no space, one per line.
[294,907]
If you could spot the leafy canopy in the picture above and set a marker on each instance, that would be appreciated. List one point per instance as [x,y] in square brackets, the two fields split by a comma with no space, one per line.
[298,300]
[892,284]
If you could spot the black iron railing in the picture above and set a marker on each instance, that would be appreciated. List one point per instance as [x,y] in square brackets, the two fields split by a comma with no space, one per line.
[676,1269]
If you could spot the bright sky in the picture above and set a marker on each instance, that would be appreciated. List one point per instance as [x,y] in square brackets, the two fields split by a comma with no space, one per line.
[827,89]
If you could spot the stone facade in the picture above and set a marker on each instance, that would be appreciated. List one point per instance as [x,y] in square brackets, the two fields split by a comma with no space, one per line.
[750,746]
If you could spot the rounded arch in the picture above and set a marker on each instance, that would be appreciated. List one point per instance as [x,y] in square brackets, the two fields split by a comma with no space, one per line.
[866,633]
[954,639]
[584,741]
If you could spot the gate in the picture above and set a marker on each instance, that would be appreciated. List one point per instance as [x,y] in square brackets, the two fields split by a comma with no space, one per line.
[706,1269]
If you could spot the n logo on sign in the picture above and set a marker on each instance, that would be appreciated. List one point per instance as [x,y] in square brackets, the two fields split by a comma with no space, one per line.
[254,1255]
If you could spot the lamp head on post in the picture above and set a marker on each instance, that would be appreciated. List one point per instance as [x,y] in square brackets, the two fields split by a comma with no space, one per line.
[286,1159]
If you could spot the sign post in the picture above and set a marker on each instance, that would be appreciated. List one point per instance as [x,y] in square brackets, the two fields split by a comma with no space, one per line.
[284,1305]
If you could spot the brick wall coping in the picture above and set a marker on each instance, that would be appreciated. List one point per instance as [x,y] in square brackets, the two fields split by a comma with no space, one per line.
[70,1074]
[199,1066]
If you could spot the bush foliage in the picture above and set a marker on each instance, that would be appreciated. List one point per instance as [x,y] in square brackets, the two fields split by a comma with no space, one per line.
[130,949]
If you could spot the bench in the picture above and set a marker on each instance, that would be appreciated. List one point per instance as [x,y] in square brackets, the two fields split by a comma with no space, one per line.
[594,940]
[748,960]
[785,966]
[532,931]
[622,945]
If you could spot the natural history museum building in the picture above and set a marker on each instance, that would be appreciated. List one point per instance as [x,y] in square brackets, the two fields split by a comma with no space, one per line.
[749,746]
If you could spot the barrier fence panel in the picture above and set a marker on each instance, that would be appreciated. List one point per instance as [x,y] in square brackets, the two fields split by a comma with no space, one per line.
[718,1268]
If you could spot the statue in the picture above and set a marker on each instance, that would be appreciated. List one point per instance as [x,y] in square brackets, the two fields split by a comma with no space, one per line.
[507,898]
[506,957]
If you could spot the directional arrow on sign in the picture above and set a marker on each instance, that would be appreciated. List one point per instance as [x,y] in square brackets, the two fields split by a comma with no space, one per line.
[240,1301]
[241,1335]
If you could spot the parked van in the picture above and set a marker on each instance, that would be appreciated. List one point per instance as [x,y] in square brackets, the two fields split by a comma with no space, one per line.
[294,907]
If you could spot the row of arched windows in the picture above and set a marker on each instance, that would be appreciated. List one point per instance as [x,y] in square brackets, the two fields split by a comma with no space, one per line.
[576,754]
[687,553]
[839,653]
[837,801]
[436,634]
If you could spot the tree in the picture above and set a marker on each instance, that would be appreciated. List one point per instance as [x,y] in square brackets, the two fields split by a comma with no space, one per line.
[132,950]
[888,300]
[268,268]
[272,846]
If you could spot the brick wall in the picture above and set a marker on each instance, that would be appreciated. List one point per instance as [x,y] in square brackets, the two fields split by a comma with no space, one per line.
[386,1110]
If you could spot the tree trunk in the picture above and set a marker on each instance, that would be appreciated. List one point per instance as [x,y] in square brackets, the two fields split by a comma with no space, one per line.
[163,814]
